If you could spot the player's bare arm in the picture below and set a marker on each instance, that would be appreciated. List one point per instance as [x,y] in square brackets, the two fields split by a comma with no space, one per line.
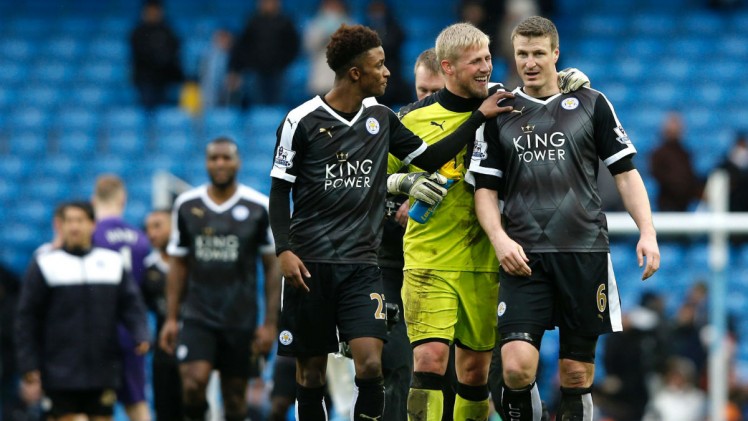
[293,269]
[266,334]
[510,254]
[635,199]
[175,282]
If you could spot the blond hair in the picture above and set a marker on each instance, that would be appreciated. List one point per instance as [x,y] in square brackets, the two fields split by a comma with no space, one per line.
[537,26]
[455,39]
[108,188]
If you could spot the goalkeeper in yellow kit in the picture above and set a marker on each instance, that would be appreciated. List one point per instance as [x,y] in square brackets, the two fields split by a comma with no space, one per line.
[450,284]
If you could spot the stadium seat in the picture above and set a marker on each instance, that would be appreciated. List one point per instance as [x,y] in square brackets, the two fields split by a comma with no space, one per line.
[112,164]
[92,97]
[172,118]
[29,144]
[702,23]
[179,144]
[127,144]
[44,96]
[77,144]
[115,26]
[80,119]
[80,27]
[29,118]
[51,71]
[596,25]
[13,168]
[738,21]
[113,49]
[57,167]
[264,120]
[126,119]
[653,24]
[18,48]
[102,73]
[63,47]
[641,48]
[26,27]
[222,119]
[50,190]
[12,72]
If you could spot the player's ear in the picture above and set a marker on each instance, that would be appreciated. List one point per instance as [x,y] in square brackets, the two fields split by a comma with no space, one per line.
[447,67]
[354,73]
[556,54]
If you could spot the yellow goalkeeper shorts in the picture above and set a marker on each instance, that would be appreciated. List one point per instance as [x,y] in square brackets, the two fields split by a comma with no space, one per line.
[454,306]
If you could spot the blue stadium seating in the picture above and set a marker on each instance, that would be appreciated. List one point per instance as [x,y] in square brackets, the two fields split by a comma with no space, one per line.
[80,119]
[125,119]
[51,71]
[41,96]
[29,144]
[63,47]
[77,144]
[28,118]
[18,48]
[172,118]
[123,144]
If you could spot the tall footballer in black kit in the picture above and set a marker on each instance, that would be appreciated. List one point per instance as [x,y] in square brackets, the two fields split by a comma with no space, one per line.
[551,236]
[331,155]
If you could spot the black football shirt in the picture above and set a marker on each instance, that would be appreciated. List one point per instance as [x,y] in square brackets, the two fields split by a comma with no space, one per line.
[222,244]
[546,153]
[338,168]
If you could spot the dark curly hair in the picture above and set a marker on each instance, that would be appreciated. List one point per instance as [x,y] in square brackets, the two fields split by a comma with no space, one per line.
[347,43]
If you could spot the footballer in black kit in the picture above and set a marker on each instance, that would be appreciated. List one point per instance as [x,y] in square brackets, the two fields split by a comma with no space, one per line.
[219,233]
[551,236]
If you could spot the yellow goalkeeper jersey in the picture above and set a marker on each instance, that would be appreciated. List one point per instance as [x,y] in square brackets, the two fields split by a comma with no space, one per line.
[452,239]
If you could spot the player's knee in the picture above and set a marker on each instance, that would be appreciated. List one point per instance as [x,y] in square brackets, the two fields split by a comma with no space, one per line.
[575,374]
[193,389]
[472,369]
[310,371]
[368,367]
[431,357]
[519,359]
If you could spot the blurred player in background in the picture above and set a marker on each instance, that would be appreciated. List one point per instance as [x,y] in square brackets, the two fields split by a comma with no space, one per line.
[113,233]
[71,301]
[219,231]
[167,385]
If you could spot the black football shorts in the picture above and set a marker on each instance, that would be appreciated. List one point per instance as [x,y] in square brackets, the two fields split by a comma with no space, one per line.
[345,301]
[574,291]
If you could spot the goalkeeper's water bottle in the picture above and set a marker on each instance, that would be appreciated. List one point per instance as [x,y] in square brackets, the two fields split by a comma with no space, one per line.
[420,211]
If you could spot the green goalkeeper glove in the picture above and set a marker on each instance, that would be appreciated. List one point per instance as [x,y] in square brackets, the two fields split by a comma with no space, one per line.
[422,186]
[571,79]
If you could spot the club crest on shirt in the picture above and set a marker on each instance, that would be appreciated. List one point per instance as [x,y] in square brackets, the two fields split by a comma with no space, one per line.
[284,157]
[240,212]
[501,309]
[479,150]
[570,103]
[372,125]
[285,337]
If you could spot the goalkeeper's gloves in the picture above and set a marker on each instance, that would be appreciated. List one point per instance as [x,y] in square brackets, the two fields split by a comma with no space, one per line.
[422,186]
[571,79]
